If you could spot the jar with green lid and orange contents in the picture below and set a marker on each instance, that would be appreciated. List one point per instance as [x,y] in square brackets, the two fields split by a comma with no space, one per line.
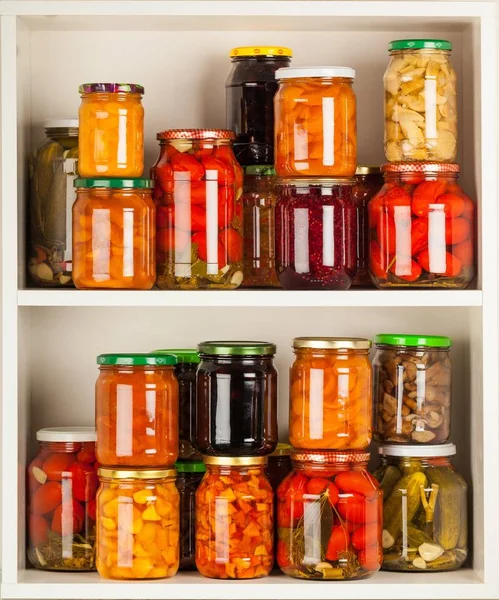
[189,477]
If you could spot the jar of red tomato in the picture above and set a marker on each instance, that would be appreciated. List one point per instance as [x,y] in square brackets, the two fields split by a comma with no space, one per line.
[421,228]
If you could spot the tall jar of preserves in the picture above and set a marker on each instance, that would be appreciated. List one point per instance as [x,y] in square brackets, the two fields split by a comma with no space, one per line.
[111,140]
[424,509]
[197,190]
[329,515]
[330,394]
[234,519]
[421,228]
[136,410]
[315,122]
[52,171]
[250,90]
[237,399]
[278,468]
[420,102]
[62,484]
[189,477]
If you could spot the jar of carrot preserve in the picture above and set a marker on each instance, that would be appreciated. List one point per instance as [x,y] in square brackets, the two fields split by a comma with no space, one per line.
[114,234]
[136,410]
[111,142]
[62,484]
[137,524]
[315,122]
[329,517]
[234,519]
[330,394]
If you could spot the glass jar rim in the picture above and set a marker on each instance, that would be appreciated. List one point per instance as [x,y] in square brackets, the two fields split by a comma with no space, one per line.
[110,473]
[331,343]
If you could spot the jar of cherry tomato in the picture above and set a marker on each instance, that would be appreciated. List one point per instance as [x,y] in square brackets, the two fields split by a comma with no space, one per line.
[136,410]
[421,228]
[329,517]
[234,519]
[111,142]
[189,477]
[197,190]
[62,484]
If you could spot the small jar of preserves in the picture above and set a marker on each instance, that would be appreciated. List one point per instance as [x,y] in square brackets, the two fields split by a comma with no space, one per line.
[412,388]
[136,410]
[234,519]
[237,399]
[189,477]
[424,509]
[329,517]
[315,122]
[62,485]
[278,468]
[138,524]
[111,140]
[330,394]
[114,234]
[421,228]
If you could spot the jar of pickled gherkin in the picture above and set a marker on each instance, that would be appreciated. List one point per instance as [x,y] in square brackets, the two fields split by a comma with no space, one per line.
[424,509]
[189,477]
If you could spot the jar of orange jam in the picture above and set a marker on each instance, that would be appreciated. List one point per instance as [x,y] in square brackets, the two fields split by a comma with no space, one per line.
[111,140]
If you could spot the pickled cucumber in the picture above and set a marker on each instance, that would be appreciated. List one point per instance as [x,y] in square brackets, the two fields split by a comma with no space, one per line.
[405,498]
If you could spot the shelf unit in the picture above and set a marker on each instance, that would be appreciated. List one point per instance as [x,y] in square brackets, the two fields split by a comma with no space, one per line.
[178,50]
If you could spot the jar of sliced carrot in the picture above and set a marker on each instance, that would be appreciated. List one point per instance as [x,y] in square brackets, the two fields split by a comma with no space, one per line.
[330,394]
[234,519]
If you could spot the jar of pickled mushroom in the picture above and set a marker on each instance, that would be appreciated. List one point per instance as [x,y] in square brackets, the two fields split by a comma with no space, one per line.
[278,468]
[189,477]
[138,524]
[237,399]
[424,509]
[250,90]
[259,198]
[197,190]
[329,516]
[330,394]
[62,484]
[316,234]
[368,182]
[52,171]
[111,140]
[234,519]
[136,410]
[420,102]
[412,388]
[114,234]
[421,228]
[315,122]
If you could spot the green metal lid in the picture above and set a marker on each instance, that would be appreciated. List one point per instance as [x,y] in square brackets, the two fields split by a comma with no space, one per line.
[260,170]
[237,348]
[183,355]
[419,45]
[114,183]
[191,467]
[135,360]
[401,339]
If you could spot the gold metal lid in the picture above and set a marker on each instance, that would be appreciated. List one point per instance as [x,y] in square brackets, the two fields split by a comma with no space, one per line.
[368,170]
[327,457]
[282,449]
[136,473]
[332,343]
[235,461]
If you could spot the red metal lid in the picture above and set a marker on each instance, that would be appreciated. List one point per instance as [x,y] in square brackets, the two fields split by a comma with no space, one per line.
[320,457]
[196,134]
[420,167]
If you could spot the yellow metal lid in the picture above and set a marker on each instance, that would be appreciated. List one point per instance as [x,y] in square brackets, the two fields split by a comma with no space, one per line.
[331,343]
[261,51]
[136,473]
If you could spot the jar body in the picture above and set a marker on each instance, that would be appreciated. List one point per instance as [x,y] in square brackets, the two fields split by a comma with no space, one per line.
[62,485]
[186,377]
[316,127]
[420,106]
[187,484]
[234,523]
[132,430]
[278,468]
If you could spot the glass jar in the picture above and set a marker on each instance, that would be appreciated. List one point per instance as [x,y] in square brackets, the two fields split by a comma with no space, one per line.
[421,228]
[234,519]
[114,234]
[197,190]
[368,182]
[424,509]
[62,484]
[52,170]
[420,102]
[189,477]
[138,524]
[329,517]
[250,90]
[136,410]
[111,130]
[316,234]
[330,394]
[412,388]
[259,199]
[237,399]
[278,468]
[316,122]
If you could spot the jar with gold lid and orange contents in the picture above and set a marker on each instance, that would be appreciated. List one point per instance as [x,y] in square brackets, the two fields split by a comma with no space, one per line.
[330,394]
[138,524]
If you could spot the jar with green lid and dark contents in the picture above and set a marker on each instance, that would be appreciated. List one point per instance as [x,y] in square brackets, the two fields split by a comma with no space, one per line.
[189,477]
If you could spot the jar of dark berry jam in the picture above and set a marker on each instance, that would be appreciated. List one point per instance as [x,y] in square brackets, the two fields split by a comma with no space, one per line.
[237,399]
[189,476]
[316,234]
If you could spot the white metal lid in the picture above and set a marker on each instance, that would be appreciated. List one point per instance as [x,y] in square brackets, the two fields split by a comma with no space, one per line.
[61,123]
[66,434]
[419,451]
[294,72]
